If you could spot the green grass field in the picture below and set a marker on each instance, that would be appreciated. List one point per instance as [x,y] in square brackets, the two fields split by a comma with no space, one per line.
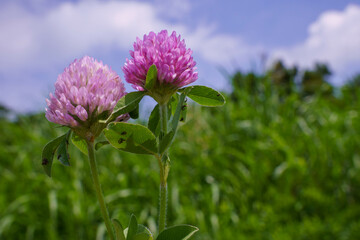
[274,163]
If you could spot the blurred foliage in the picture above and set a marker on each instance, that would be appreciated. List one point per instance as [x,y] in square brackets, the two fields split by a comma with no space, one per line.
[281,160]
[283,78]
[314,81]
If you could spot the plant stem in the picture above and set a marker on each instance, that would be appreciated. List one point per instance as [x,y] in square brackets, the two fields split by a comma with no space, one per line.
[163,185]
[99,193]
[163,207]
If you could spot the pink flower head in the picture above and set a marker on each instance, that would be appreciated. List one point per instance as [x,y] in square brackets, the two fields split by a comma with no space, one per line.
[86,89]
[175,65]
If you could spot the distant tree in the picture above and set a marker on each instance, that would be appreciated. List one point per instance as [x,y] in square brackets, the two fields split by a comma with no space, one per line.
[249,83]
[351,90]
[282,77]
[354,82]
[315,81]
[4,111]
[246,82]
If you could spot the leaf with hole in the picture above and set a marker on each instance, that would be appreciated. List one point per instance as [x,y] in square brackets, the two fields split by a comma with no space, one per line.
[205,96]
[181,106]
[173,103]
[48,152]
[133,138]
[62,152]
[183,115]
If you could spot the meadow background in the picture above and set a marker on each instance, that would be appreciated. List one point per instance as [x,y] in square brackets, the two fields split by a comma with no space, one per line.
[281,160]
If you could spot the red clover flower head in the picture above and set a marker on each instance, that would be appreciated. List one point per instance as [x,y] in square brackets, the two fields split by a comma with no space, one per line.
[85,90]
[174,62]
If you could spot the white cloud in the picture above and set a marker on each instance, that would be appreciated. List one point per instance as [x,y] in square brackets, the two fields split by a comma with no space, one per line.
[333,38]
[37,44]
[71,29]
[174,9]
[220,48]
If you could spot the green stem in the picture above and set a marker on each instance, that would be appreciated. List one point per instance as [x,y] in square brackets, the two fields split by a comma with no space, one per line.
[163,185]
[163,206]
[99,194]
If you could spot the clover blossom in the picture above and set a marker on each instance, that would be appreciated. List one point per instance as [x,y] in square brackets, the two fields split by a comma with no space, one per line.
[84,92]
[174,63]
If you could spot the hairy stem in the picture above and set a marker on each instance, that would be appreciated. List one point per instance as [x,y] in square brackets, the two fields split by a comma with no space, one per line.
[99,193]
[163,207]
[163,185]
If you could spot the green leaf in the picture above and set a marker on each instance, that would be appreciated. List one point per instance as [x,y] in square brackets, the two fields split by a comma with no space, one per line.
[147,147]
[144,230]
[180,107]
[48,152]
[133,138]
[62,152]
[134,114]
[205,96]
[119,230]
[179,232]
[80,143]
[100,144]
[166,141]
[174,102]
[142,233]
[154,121]
[183,115]
[126,104]
[133,227]
[174,105]
[151,77]
[142,236]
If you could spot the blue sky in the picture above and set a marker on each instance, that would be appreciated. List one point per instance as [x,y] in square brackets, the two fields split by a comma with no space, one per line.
[39,38]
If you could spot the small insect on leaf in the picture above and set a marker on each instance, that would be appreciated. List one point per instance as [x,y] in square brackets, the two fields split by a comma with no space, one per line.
[133,138]
[44,161]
